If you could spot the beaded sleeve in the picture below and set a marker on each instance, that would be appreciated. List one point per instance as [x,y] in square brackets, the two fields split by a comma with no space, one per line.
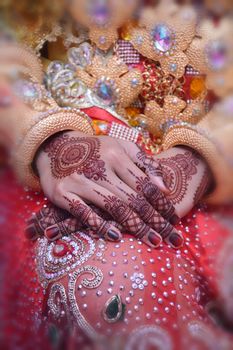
[212,138]
[32,116]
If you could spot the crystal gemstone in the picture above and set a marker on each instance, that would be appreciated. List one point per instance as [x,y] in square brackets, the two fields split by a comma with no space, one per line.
[162,38]
[106,93]
[217,55]
[100,12]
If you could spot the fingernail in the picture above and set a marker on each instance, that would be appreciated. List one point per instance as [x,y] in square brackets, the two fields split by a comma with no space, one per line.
[175,219]
[154,239]
[113,235]
[176,240]
[52,233]
[31,234]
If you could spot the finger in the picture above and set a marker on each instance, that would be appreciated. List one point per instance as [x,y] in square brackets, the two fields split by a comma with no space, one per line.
[144,209]
[139,182]
[123,215]
[152,169]
[146,163]
[45,217]
[62,228]
[79,209]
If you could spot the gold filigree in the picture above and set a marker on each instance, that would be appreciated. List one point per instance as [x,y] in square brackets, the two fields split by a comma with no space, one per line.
[174,111]
[211,53]
[102,18]
[157,85]
[163,35]
[113,83]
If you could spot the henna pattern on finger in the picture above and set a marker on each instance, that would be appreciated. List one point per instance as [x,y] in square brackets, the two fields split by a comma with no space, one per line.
[148,214]
[44,218]
[89,218]
[124,215]
[79,155]
[155,197]
[178,172]
[147,165]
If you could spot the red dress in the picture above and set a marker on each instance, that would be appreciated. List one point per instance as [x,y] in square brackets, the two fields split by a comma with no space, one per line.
[78,290]
[150,298]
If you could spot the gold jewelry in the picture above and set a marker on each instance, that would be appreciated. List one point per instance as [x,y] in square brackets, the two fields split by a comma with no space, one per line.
[112,82]
[163,35]
[103,19]
[157,85]
[28,124]
[174,111]
[16,59]
[211,52]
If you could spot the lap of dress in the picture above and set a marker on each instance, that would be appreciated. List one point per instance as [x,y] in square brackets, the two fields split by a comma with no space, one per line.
[125,293]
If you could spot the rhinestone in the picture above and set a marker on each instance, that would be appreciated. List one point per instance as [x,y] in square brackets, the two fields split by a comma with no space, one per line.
[153,295]
[162,38]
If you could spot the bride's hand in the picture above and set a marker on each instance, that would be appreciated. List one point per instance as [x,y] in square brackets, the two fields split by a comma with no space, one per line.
[78,171]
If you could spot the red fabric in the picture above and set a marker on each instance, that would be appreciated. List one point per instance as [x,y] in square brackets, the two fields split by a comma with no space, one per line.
[21,295]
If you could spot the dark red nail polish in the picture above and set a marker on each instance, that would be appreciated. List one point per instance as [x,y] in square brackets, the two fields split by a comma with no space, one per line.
[52,233]
[154,239]
[113,235]
[31,234]
[175,219]
[176,240]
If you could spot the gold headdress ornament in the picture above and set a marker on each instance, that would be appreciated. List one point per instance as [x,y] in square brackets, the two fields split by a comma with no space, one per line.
[102,18]
[211,52]
[164,34]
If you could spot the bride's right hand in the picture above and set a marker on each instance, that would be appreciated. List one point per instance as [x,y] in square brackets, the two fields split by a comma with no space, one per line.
[94,179]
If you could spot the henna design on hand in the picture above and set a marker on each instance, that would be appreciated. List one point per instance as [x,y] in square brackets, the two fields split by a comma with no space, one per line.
[178,172]
[202,188]
[88,217]
[154,196]
[44,218]
[147,164]
[79,155]
[149,215]
[123,214]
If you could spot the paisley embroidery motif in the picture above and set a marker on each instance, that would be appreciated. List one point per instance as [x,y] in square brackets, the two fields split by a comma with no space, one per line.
[56,259]
[90,283]
[57,301]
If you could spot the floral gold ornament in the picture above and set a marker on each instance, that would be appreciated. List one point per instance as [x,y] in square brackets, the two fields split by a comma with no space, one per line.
[211,53]
[103,18]
[34,23]
[112,82]
[163,35]
[174,111]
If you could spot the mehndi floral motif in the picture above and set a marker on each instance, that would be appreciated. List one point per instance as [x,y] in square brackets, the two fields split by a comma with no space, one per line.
[103,18]
[174,111]
[211,53]
[163,34]
[112,82]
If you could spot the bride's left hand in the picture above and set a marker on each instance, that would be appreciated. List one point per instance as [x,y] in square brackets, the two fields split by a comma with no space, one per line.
[184,172]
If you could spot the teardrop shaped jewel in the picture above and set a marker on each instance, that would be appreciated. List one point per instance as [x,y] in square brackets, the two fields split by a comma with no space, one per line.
[162,38]
[114,309]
